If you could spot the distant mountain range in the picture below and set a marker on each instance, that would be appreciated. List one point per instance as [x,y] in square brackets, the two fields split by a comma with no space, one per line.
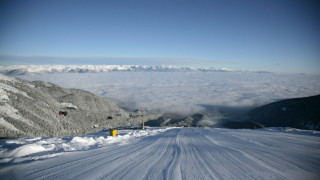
[44,109]
[41,69]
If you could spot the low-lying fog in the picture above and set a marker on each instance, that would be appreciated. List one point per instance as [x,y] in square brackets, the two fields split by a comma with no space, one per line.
[186,93]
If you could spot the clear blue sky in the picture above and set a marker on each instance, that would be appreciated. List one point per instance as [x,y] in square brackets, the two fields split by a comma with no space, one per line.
[270,35]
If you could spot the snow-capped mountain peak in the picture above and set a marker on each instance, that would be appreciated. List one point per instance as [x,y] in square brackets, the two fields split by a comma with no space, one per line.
[43,69]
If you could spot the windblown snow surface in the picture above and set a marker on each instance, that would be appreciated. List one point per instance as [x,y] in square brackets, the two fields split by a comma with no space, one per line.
[166,153]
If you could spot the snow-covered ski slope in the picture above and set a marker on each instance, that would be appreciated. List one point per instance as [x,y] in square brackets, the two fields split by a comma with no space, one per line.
[175,153]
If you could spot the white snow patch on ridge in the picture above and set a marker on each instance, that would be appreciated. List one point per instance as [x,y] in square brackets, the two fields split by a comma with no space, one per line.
[6,78]
[5,107]
[68,105]
[8,125]
[4,88]
[12,89]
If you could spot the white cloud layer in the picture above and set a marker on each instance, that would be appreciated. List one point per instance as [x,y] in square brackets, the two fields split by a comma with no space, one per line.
[187,93]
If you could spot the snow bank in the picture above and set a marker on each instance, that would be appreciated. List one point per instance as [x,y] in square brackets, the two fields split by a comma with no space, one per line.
[29,149]
[16,148]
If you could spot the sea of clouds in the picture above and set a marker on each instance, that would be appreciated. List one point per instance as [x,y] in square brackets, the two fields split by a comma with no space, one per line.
[186,93]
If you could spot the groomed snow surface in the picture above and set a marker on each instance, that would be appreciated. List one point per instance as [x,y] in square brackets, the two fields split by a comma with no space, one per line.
[166,153]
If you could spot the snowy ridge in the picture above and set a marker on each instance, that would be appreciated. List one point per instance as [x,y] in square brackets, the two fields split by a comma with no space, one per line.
[6,109]
[43,69]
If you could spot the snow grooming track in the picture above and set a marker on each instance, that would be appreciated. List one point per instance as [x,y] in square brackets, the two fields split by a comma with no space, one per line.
[186,153]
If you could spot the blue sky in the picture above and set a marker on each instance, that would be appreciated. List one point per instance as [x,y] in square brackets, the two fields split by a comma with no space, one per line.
[270,35]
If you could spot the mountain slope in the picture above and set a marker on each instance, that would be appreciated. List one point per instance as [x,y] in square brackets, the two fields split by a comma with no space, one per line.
[32,109]
[303,113]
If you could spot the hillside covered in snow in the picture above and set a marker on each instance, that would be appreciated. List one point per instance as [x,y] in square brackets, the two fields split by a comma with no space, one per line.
[32,109]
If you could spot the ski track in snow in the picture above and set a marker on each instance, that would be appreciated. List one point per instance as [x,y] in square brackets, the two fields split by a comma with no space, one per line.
[186,153]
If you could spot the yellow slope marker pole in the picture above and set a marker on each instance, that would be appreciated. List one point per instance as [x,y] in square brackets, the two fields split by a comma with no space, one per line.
[113,132]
